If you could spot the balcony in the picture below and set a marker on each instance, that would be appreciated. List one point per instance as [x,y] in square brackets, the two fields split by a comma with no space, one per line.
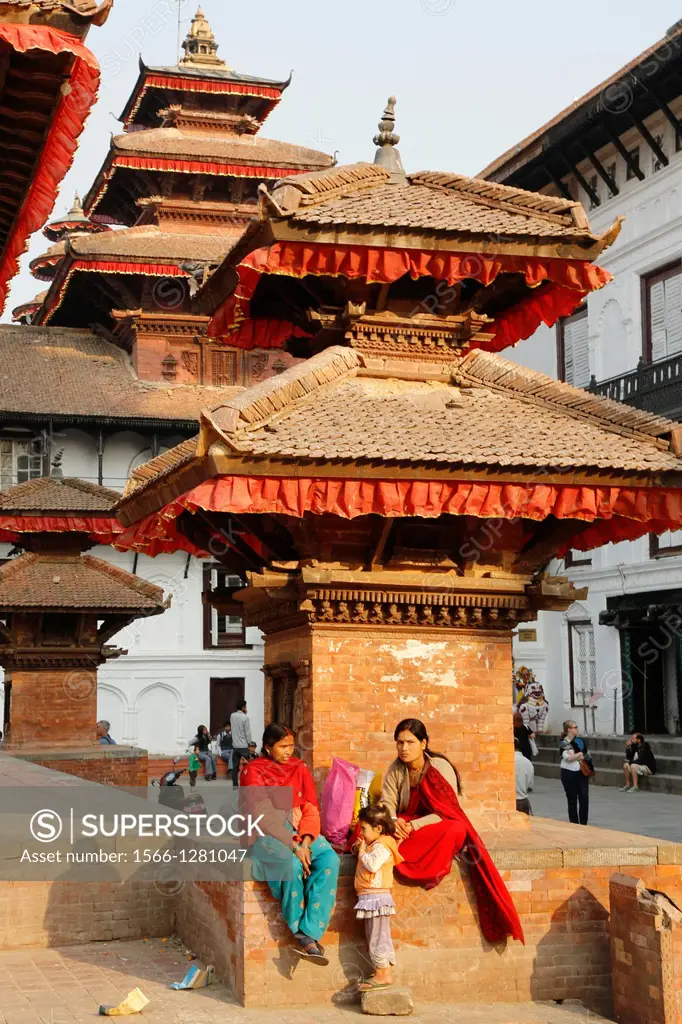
[655,387]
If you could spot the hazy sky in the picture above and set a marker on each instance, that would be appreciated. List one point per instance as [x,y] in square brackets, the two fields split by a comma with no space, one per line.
[471,78]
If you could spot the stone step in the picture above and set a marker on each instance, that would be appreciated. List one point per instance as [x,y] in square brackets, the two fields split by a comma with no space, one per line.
[614,777]
[614,759]
[665,746]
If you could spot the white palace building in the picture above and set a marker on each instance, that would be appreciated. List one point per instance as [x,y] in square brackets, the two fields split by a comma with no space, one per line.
[614,662]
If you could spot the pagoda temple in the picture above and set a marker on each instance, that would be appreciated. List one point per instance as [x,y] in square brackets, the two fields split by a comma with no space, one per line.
[48,85]
[179,186]
[59,607]
[399,494]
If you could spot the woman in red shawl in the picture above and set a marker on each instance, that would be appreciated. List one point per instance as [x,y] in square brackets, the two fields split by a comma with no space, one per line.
[421,791]
[298,863]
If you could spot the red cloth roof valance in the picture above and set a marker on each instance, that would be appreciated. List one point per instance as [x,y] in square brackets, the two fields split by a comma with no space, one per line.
[202,85]
[265,333]
[78,96]
[560,286]
[182,165]
[101,529]
[618,513]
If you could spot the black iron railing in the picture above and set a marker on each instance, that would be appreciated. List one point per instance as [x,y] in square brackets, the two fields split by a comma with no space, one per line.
[655,387]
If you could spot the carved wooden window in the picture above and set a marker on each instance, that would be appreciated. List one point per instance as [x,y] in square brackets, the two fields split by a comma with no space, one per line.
[582,662]
[223,368]
[574,349]
[223,626]
[662,312]
[19,461]
[284,686]
[593,182]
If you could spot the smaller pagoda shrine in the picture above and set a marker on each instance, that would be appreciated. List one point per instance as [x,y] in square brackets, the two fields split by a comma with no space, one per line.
[59,608]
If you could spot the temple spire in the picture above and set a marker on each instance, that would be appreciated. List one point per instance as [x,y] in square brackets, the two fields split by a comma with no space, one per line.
[387,156]
[200,46]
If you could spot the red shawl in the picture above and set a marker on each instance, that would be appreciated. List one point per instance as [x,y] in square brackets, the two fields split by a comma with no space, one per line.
[294,775]
[429,852]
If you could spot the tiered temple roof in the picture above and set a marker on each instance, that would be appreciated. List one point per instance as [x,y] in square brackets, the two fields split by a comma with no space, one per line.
[183,180]
[412,284]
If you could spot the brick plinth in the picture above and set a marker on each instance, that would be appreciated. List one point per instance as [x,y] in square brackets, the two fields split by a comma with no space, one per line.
[355,684]
[53,708]
[111,766]
[40,914]
[561,890]
[646,950]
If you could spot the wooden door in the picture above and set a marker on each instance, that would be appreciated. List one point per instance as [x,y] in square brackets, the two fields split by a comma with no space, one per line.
[225,696]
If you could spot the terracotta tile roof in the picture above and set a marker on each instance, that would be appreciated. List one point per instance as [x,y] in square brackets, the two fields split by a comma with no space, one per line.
[668,45]
[363,195]
[163,464]
[85,8]
[150,242]
[54,371]
[75,582]
[494,413]
[48,494]
[242,149]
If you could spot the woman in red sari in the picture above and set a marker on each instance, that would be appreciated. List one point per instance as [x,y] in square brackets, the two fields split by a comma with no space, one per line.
[421,791]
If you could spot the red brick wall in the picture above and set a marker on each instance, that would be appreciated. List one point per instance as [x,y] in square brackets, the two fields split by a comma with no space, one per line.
[121,767]
[564,912]
[362,682]
[210,919]
[646,949]
[53,709]
[63,913]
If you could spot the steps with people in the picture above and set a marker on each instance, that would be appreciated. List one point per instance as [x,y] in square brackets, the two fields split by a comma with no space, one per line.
[608,754]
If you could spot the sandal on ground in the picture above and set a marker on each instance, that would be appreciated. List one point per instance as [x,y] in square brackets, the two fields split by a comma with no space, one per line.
[371,985]
[313,952]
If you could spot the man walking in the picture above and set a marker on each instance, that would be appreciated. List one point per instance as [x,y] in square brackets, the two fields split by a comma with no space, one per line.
[639,762]
[241,738]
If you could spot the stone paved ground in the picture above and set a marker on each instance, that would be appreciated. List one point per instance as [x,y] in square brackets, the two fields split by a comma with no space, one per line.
[66,986]
[647,814]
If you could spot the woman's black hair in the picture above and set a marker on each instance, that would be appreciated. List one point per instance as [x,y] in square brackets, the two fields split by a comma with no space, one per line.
[200,730]
[378,816]
[418,729]
[273,734]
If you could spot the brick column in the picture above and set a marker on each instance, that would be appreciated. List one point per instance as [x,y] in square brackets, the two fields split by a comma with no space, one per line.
[53,708]
[365,659]
[646,954]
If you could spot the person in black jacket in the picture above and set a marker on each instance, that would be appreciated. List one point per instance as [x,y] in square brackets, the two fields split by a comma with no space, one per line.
[639,762]
[524,735]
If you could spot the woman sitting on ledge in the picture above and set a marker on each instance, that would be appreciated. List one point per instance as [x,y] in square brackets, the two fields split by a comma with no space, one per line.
[421,791]
[300,866]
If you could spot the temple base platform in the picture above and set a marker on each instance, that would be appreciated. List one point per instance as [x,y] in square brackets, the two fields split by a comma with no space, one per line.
[109,765]
[559,877]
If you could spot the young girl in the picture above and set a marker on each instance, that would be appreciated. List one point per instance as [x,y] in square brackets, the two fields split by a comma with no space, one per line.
[573,750]
[194,766]
[378,854]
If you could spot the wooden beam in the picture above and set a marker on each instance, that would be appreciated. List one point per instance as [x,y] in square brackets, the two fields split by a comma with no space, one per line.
[380,542]
[563,188]
[650,140]
[549,536]
[594,198]
[667,112]
[601,171]
[631,164]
